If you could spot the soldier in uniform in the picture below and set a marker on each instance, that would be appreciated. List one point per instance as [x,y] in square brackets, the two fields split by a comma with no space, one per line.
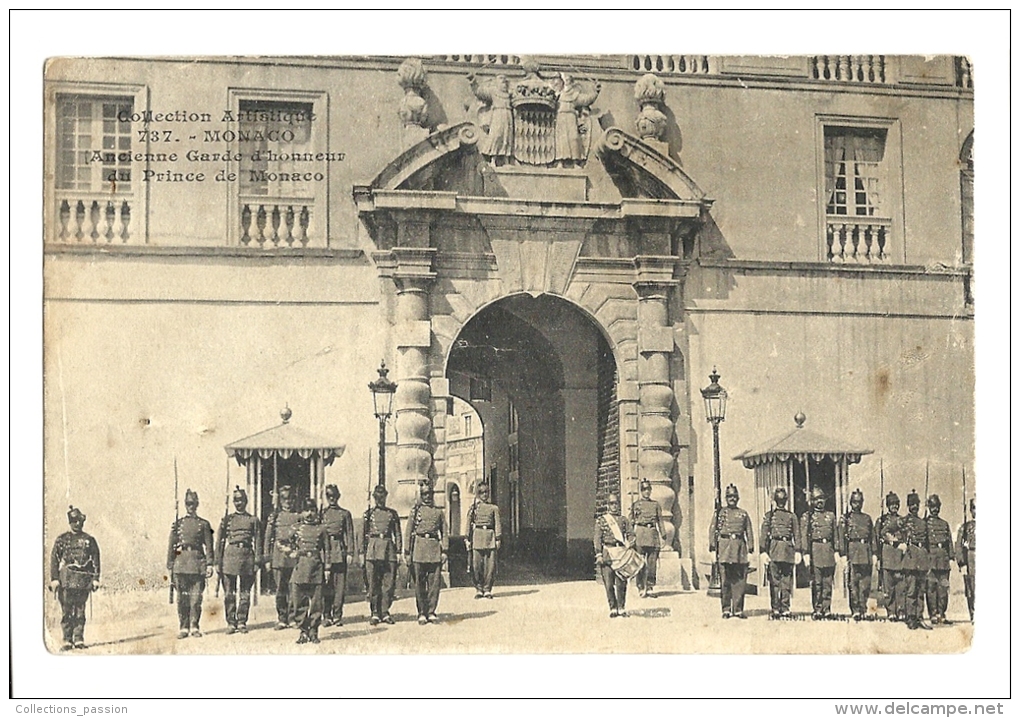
[858,543]
[307,546]
[190,559]
[915,563]
[485,536]
[780,552]
[339,527]
[74,574]
[889,536]
[940,553]
[965,556]
[612,531]
[649,533]
[239,553]
[818,536]
[731,539]
[424,552]
[382,546]
[279,528]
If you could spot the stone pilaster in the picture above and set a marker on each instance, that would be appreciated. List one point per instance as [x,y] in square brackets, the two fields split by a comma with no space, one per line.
[413,277]
[654,281]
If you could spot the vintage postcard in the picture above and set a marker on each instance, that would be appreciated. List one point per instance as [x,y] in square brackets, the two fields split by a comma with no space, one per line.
[509,354]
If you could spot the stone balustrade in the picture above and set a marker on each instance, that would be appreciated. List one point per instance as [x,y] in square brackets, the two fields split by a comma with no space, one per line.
[861,240]
[270,223]
[673,64]
[849,68]
[95,218]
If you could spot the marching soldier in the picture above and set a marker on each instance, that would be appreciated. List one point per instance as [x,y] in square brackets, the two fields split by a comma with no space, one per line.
[190,559]
[858,542]
[780,552]
[649,533]
[612,531]
[239,553]
[74,574]
[307,545]
[818,532]
[940,553]
[731,539]
[965,556]
[889,535]
[424,552]
[279,528]
[339,527]
[485,536]
[382,546]
[915,563]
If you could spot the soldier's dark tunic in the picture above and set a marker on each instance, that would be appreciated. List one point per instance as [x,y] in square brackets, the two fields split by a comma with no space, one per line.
[339,526]
[606,538]
[427,541]
[189,554]
[74,562]
[780,539]
[646,517]
[859,544]
[965,545]
[818,532]
[484,529]
[940,553]
[239,552]
[731,537]
[889,535]
[308,548]
[915,567]
[280,528]
[382,542]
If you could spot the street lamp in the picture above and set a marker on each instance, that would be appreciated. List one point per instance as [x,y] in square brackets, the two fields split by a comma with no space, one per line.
[715,411]
[382,401]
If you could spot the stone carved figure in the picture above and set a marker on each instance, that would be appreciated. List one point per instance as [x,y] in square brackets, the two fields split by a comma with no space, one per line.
[650,94]
[413,109]
[498,145]
[573,103]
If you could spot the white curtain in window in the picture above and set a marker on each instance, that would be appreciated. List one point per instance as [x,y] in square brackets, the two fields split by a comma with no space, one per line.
[865,151]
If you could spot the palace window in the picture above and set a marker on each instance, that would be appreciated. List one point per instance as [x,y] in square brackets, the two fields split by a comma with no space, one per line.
[94,170]
[860,199]
[282,174]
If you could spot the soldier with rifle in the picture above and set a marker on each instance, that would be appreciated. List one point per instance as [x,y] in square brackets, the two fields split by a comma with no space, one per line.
[940,553]
[915,562]
[280,528]
[190,559]
[381,545]
[424,552]
[858,543]
[780,552]
[74,575]
[818,532]
[340,549]
[238,555]
[965,545]
[731,539]
[307,547]
[484,538]
[890,542]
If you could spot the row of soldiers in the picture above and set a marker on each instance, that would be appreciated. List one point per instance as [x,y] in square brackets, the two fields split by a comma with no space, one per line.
[913,555]
[309,553]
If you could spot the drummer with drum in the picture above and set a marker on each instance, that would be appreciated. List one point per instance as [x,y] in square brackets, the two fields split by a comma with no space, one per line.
[730,539]
[616,560]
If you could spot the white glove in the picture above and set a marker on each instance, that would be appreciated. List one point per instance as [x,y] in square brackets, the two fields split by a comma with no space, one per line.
[797,558]
[807,560]
[765,559]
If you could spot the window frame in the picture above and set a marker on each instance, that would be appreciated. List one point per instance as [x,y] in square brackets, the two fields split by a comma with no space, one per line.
[319,142]
[891,172]
[138,197]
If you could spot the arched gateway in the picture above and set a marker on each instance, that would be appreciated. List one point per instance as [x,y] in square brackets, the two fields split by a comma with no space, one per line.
[554,290]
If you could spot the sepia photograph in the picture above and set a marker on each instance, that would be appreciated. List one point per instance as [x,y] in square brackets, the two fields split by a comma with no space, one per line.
[554,353]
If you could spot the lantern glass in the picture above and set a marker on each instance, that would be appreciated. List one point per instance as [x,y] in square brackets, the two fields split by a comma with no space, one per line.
[382,393]
[715,399]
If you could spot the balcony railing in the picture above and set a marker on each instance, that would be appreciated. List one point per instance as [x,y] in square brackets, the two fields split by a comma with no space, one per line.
[94,218]
[857,240]
[673,64]
[849,68]
[269,223]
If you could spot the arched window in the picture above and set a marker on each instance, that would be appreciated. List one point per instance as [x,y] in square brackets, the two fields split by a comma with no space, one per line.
[967,198]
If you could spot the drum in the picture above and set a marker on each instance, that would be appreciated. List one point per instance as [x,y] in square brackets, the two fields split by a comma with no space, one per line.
[626,562]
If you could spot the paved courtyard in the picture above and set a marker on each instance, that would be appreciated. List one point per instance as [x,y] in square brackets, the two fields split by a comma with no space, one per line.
[537,617]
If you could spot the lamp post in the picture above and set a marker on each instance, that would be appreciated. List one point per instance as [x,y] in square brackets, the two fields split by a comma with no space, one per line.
[715,411]
[382,401]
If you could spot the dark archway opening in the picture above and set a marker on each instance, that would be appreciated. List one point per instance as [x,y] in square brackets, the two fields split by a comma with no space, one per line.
[551,431]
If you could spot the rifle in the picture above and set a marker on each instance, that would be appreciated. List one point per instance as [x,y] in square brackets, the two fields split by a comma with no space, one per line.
[223,526]
[881,522]
[846,553]
[177,517]
[410,547]
[926,490]
[364,528]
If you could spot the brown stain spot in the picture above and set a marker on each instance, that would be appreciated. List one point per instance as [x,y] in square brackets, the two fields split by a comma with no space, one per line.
[141,582]
[144,422]
[881,385]
[165,578]
[213,610]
